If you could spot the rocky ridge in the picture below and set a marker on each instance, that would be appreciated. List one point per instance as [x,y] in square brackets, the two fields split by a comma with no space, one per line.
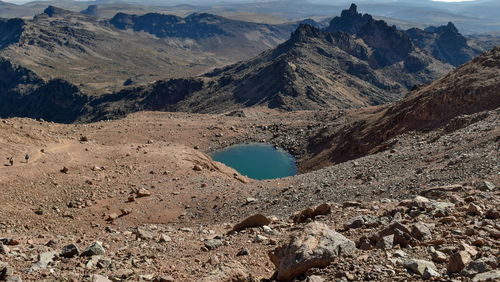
[444,43]
[471,88]
[350,64]
[314,69]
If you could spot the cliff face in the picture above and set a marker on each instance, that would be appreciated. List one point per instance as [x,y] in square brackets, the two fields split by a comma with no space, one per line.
[195,26]
[445,43]
[10,31]
[24,94]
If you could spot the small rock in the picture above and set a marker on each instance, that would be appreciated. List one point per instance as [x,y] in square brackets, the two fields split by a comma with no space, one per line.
[478,266]
[474,209]
[448,219]
[303,216]
[458,261]
[5,271]
[229,271]
[70,251]
[144,234]
[243,252]
[164,278]
[399,254]
[493,275]
[213,244]
[95,249]
[418,266]
[250,200]
[112,217]
[143,193]
[493,214]
[164,238]
[260,239]
[486,186]
[430,273]
[65,170]
[125,211]
[257,220]
[470,249]
[421,232]
[386,242]
[355,222]
[99,278]
[197,168]
[44,259]
[438,256]
[4,250]
[316,278]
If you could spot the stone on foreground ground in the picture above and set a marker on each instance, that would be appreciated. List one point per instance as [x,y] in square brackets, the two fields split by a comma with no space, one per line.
[316,246]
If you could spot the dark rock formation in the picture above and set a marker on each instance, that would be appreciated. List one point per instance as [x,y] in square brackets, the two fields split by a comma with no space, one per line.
[470,89]
[445,43]
[350,21]
[10,31]
[24,94]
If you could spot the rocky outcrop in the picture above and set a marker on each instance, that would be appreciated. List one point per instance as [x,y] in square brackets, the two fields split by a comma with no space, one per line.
[350,21]
[53,11]
[445,43]
[389,44]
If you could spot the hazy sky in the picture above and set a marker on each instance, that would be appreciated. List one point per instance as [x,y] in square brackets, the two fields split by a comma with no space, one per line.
[24,1]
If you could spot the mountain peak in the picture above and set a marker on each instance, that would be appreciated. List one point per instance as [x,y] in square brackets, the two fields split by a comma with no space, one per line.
[350,21]
[451,27]
[305,31]
[353,9]
[52,11]
[91,10]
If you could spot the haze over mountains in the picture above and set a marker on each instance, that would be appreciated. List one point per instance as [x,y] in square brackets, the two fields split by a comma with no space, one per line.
[341,67]
[99,57]
[470,17]
[356,61]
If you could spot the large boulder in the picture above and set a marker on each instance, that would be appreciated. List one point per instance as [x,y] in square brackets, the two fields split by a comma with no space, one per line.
[316,246]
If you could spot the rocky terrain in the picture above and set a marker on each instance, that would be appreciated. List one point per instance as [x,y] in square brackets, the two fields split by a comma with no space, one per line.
[444,43]
[352,63]
[331,68]
[103,57]
[404,191]
[207,32]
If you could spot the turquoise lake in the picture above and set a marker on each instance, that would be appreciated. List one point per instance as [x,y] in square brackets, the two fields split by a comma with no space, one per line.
[258,161]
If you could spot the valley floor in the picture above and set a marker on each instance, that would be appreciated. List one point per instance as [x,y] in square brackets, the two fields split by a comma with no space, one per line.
[162,209]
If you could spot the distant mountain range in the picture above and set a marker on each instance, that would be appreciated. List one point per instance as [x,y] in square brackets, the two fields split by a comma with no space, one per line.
[100,56]
[356,61]
[470,17]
